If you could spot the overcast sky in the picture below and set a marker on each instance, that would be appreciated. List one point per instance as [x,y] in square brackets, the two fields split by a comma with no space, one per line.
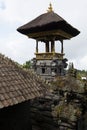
[18,47]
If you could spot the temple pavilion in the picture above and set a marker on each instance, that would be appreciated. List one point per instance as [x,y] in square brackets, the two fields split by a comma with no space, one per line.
[49,29]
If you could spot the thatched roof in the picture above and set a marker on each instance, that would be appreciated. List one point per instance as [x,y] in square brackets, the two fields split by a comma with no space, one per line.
[17,85]
[46,22]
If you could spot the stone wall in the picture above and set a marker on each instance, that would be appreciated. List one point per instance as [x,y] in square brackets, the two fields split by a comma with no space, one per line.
[56,111]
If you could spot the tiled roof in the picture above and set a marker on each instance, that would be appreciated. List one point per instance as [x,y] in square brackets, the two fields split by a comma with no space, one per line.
[16,84]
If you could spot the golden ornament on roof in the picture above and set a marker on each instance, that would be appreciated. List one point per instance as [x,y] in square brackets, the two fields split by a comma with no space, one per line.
[50,8]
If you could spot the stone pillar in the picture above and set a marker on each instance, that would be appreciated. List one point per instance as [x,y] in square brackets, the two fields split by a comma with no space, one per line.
[36,46]
[62,46]
[52,46]
[47,46]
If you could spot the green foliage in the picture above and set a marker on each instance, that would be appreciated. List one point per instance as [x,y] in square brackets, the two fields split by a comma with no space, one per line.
[27,64]
[81,73]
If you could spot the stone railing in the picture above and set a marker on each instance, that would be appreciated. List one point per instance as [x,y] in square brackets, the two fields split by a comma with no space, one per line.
[49,56]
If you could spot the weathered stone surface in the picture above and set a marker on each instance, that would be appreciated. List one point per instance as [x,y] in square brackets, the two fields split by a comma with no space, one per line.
[63,108]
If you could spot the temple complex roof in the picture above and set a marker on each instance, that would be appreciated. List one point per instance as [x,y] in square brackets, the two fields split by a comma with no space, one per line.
[49,21]
[16,84]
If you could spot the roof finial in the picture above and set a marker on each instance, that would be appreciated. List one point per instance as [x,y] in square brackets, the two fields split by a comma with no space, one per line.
[50,8]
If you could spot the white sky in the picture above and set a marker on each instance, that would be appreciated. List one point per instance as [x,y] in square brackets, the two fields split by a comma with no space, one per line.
[14,13]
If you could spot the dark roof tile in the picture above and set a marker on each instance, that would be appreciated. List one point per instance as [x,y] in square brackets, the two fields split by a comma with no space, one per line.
[18,85]
[46,22]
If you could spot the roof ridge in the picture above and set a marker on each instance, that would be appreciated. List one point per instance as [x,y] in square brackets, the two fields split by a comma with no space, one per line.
[20,68]
[8,60]
[17,84]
